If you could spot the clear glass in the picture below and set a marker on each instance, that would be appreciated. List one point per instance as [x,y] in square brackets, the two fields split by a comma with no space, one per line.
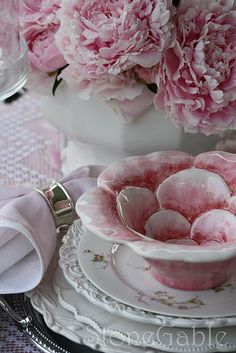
[13,50]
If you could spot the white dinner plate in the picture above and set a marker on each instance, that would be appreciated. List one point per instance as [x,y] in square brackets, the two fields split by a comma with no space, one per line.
[139,335]
[61,321]
[98,263]
[101,330]
[122,274]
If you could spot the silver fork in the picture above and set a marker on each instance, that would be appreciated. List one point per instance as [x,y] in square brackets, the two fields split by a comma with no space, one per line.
[23,322]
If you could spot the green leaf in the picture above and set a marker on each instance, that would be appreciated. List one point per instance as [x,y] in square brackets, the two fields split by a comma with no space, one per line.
[58,81]
[152,87]
[176,2]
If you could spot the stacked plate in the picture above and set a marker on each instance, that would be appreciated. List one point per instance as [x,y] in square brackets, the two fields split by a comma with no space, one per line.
[103,295]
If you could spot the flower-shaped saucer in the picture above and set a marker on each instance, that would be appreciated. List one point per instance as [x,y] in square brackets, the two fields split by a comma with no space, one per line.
[174,210]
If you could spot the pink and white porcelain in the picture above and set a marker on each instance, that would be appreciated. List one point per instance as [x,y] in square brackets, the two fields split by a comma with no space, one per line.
[176,211]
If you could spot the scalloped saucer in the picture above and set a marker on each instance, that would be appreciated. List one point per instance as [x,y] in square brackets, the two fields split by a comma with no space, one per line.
[98,329]
[141,335]
[61,321]
[122,274]
[101,260]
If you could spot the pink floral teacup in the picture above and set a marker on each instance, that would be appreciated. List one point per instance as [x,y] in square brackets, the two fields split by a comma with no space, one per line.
[176,211]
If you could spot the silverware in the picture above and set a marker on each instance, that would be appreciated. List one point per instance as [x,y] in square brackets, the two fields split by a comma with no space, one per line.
[36,330]
[23,322]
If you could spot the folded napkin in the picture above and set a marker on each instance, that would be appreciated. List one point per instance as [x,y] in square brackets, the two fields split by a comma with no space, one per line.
[28,233]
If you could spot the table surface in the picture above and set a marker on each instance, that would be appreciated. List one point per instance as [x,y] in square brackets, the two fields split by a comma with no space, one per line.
[29,149]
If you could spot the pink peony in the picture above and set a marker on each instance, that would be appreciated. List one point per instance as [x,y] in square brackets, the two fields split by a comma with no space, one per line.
[197,77]
[40,23]
[148,76]
[122,86]
[111,36]
[132,109]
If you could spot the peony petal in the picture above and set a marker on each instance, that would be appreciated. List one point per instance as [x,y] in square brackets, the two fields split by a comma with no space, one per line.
[131,109]
[144,171]
[146,60]
[166,225]
[97,210]
[135,205]
[214,226]
[193,191]
[222,163]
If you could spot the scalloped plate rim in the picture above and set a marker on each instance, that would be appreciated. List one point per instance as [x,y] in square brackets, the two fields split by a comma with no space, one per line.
[84,286]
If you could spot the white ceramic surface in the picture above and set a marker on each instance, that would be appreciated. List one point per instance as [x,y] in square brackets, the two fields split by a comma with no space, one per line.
[146,301]
[103,136]
[142,335]
[45,301]
[62,321]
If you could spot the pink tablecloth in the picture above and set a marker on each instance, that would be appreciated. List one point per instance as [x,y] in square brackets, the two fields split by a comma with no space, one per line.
[29,150]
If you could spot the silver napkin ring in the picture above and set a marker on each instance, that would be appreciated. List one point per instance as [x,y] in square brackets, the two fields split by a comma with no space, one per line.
[60,204]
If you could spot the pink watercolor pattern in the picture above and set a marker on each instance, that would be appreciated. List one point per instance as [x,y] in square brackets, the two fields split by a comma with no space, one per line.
[176,211]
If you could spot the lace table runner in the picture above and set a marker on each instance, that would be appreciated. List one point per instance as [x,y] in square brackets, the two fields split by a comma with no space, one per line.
[29,155]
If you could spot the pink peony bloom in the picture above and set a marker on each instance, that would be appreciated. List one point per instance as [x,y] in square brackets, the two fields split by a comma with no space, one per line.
[123,92]
[40,23]
[109,37]
[127,97]
[122,86]
[146,75]
[132,109]
[197,77]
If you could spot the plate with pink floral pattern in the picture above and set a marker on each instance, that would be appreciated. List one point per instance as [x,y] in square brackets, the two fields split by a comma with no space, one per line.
[115,278]
[125,276]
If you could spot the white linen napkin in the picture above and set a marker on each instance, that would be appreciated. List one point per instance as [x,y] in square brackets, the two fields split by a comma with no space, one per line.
[28,233]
